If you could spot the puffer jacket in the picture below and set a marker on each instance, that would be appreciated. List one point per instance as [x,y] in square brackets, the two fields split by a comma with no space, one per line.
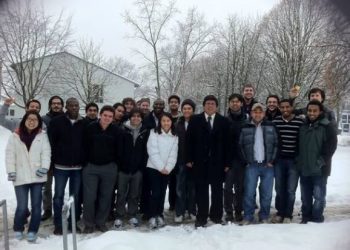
[24,163]
[247,139]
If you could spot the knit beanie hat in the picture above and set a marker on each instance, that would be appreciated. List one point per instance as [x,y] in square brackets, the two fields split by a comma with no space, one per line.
[188,102]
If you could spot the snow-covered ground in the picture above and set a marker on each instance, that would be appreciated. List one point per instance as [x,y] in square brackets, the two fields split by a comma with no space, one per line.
[333,234]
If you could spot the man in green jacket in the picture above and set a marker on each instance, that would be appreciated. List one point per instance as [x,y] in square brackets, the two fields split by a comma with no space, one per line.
[317,144]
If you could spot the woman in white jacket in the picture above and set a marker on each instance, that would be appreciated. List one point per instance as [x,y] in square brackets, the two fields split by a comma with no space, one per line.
[162,147]
[28,156]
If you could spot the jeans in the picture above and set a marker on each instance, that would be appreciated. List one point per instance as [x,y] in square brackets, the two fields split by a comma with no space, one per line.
[252,174]
[158,184]
[185,191]
[313,197]
[61,178]
[22,206]
[286,183]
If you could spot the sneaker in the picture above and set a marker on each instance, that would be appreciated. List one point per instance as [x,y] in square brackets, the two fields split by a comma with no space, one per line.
[118,223]
[102,228]
[229,217]
[57,231]
[199,223]
[244,223]
[88,230]
[277,219]
[287,221]
[134,222]
[303,221]
[31,237]
[160,221]
[178,219]
[47,215]
[192,217]
[264,221]
[19,235]
[152,223]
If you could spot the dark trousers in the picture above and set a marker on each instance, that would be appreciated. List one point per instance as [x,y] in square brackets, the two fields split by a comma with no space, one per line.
[202,199]
[233,189]
[158,184]
[313,197]
[185,191]
[22,193]
[286,183]
[129,187]
[172,189]
[47,193]
[61,179]
[98,183]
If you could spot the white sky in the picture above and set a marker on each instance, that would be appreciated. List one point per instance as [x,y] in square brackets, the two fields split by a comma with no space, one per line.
[102,20]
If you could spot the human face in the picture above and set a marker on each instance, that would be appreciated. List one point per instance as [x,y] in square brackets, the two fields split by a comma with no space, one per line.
[158,107]
[316,96]
[272,103]
[210,107]
[165,123]
[129,106]
[106,118]
[72,108]
[56,105]
[257,115]
[92,112]
[187,111]
[235,104]
[286,109]
[135,120]
[313,112]
[144,106]
[119,113]
[31,122]
[248,93]
[34,106]
[174,104]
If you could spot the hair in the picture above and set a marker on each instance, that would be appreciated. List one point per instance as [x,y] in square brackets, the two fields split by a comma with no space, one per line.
[235,95]
[118,104]
[273,96]
[107,108]
[71,99]
[174,97]
[315,102]
[211,98]
[248,85]
[32,100]
[89,105]
[158,129]
[145,100]
[317,90]
[128,99]
[290,101]
[22,125]
[136,111]
[55,97]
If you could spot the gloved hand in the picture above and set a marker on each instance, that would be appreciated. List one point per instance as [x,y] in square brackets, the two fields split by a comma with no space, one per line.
[41,172]
[11,176]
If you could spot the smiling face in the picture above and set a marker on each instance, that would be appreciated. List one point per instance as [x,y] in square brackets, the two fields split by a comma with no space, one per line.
[235,104]
[135,119]
[286,109]
[174,104]
[145,107]
[72,107]
[272,103]
[248,93]
[187,111]
[33,106]
[56,105]
[119,113]
[316,96]
[31,122]
[106,118]
[165,123]
[210,107]
[129,106]
[92,112]
[257,115]
[313,112]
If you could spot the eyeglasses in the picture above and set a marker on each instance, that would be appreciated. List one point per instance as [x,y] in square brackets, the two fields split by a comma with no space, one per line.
[32,120]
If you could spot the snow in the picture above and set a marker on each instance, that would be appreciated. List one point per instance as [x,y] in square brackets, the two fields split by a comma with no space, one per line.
[333,234]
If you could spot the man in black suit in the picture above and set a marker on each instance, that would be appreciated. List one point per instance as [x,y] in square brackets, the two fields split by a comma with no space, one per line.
[207,153]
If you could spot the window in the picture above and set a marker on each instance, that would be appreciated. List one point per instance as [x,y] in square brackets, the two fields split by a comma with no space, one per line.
[346,128]
[344,118]
[12,112]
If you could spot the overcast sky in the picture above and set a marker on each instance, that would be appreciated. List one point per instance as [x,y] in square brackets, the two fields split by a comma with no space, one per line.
[102,20]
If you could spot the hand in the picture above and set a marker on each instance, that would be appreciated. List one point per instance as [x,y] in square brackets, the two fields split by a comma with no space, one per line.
[164,171]
[12,176]
[226,169]
[269,165]
[294,92]
[41,172]
[189,164]
[9,101]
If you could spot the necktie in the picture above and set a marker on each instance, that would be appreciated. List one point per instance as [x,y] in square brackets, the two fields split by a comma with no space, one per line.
[209,123]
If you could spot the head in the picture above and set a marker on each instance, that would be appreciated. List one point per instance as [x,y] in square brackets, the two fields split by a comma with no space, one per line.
[174,103]
[235,102]
[33,104]
[91,110]
[272,102]
[248,91]
[119,111]
[188,108]
[286,107]
[210,104]
[165,123]
[31,121]
[317,94]
[314,110]
[72,107]
[158,106]
[106,115]
[136,117]
[258,112]
[129,104]
[145,105]
[56,104]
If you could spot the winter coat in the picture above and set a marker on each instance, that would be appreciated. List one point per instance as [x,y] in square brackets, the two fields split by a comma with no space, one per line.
[24,163]
[181,133]
[248,107]
[149,122]
[162,150]
[49,116]
[270,116]
[134,156]
[317,144]
[247,140]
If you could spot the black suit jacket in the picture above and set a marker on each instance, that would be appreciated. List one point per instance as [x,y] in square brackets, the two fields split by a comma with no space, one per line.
[208,149]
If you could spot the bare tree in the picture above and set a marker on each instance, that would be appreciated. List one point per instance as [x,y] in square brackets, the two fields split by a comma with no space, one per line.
[27,37]
[149,25]
[124,68]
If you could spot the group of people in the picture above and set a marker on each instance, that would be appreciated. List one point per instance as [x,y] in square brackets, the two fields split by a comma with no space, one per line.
[121,159]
